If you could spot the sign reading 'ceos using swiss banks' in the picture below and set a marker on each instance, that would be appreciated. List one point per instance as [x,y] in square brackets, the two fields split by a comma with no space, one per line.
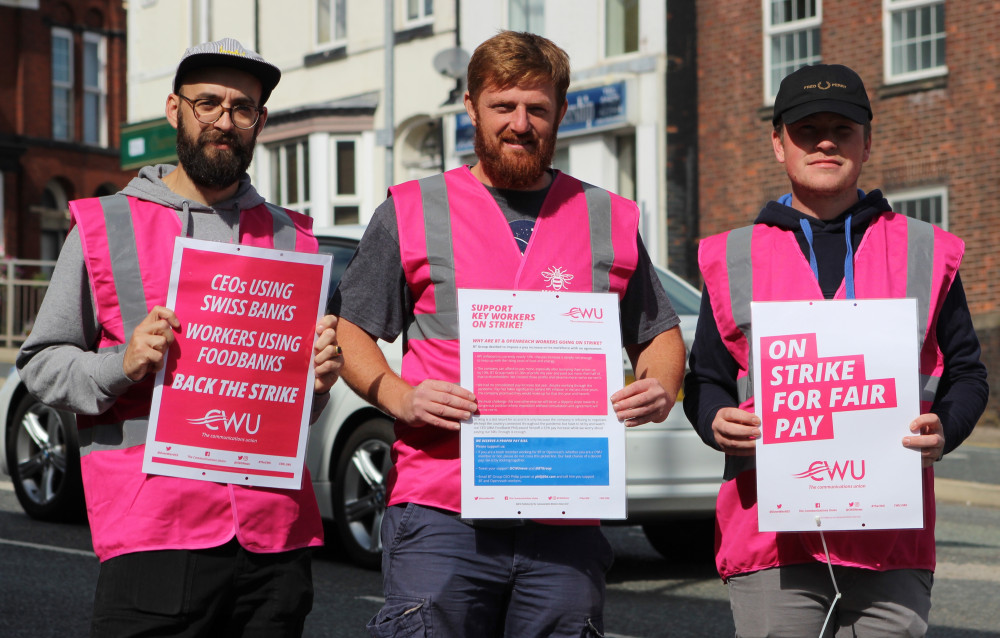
[233,401]
[836,386]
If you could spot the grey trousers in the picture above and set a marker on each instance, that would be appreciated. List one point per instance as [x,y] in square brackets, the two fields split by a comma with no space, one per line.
[793,602]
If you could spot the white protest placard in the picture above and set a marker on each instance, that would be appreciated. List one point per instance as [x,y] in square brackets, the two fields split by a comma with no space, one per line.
[233,400]
[836,386]
[545,442]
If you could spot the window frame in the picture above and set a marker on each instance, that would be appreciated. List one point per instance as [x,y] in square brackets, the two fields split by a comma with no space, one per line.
[922,193]
[338,199]
[337,7]
[278,160]
[889,9]
[772,31]
[423,16]
[100,91]
[60,85]
[606,31]
[525,16]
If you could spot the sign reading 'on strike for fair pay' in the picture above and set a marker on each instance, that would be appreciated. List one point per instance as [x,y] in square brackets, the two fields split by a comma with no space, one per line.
[836,387]
[232,403]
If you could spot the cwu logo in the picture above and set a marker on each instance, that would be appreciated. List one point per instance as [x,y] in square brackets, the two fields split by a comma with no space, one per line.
[215,419]
[585,314]
[823,471]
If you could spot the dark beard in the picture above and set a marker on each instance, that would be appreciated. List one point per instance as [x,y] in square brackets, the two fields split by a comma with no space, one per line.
[213,168]
[510,169]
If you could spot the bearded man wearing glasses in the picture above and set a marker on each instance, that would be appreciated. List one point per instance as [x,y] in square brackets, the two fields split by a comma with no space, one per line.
[179,557]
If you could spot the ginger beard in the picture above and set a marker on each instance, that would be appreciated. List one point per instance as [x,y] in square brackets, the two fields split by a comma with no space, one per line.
[512,168]
[210,167]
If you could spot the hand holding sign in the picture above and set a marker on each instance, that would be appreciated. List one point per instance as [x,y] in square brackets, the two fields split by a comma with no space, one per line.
[736,431]
[929,440]
[327,359]
[149,343]
[438,403]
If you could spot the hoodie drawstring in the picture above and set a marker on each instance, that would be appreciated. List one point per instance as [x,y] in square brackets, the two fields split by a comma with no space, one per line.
[185,219]
[848,261]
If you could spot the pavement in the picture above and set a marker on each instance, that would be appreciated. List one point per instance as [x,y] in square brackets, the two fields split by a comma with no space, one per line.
[969,492]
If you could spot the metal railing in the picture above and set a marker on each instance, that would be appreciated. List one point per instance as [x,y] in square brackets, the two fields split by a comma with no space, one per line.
[23,283]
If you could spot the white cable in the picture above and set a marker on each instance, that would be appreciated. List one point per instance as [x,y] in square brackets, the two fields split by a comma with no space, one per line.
[836,589]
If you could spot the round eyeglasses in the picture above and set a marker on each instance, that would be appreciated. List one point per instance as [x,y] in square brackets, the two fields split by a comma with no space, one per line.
[209,111]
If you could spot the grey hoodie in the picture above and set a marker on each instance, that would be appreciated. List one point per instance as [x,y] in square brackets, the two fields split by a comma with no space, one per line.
[58,362]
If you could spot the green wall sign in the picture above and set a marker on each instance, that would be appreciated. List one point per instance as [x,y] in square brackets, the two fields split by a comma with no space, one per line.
[150,142]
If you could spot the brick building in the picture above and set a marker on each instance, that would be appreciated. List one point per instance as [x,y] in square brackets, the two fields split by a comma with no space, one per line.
[931,68]
[62,96]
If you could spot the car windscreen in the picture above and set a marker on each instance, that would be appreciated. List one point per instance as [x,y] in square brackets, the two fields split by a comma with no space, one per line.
[342,253]
[686,301]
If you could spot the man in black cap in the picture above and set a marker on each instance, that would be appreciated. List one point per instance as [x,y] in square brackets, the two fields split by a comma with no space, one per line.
[827,240]
[179,557]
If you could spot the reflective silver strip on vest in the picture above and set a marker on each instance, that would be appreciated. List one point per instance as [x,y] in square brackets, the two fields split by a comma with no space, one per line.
[920,278]
[132,305]
[124,262]
[919,283]
[929,387]
[602,248]
[283,229]
[443,323]
[113,436]
[739,265]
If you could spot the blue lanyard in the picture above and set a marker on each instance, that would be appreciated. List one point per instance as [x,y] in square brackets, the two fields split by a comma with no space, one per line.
[848,261]
[786,200]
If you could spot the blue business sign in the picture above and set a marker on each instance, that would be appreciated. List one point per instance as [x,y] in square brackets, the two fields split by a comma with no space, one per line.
[590,109]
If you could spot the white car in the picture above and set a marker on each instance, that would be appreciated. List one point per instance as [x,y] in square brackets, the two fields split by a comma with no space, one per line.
[673,477]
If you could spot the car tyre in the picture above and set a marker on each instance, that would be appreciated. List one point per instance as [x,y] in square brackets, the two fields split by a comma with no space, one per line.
[359,491]
[683,541]
[43,457]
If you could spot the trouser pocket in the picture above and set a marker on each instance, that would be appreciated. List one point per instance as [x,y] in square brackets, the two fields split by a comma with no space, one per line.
[400,617]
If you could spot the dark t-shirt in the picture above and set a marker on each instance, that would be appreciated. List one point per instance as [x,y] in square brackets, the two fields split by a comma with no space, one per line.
[374,296]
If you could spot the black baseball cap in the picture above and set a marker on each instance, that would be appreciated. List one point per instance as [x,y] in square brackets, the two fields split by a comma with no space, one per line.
[228,52]
[822,88]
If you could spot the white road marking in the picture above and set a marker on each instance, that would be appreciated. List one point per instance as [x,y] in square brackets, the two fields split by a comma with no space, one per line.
[49,548]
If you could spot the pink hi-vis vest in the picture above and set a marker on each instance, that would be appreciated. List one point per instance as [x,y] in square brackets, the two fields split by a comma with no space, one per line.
[898,257]
[130,511]
[452,234]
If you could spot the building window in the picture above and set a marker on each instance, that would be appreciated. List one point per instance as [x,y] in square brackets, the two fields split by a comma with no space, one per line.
[62,84]
[331,22]
[526,15]
[344,183]
[914,39]
[927,204]
[419,11]
[290,175]
[621,20]
[95,91]
[791,39]
[626,165]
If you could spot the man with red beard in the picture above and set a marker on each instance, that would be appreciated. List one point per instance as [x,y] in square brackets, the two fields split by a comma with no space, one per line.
[508,222]
[179,557]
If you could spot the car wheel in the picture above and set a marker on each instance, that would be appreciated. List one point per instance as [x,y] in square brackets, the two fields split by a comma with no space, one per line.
[363,465]
[683,541]
[44,460]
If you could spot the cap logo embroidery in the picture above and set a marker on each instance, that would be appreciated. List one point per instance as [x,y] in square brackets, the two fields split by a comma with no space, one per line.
[823,86]
[240,53]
